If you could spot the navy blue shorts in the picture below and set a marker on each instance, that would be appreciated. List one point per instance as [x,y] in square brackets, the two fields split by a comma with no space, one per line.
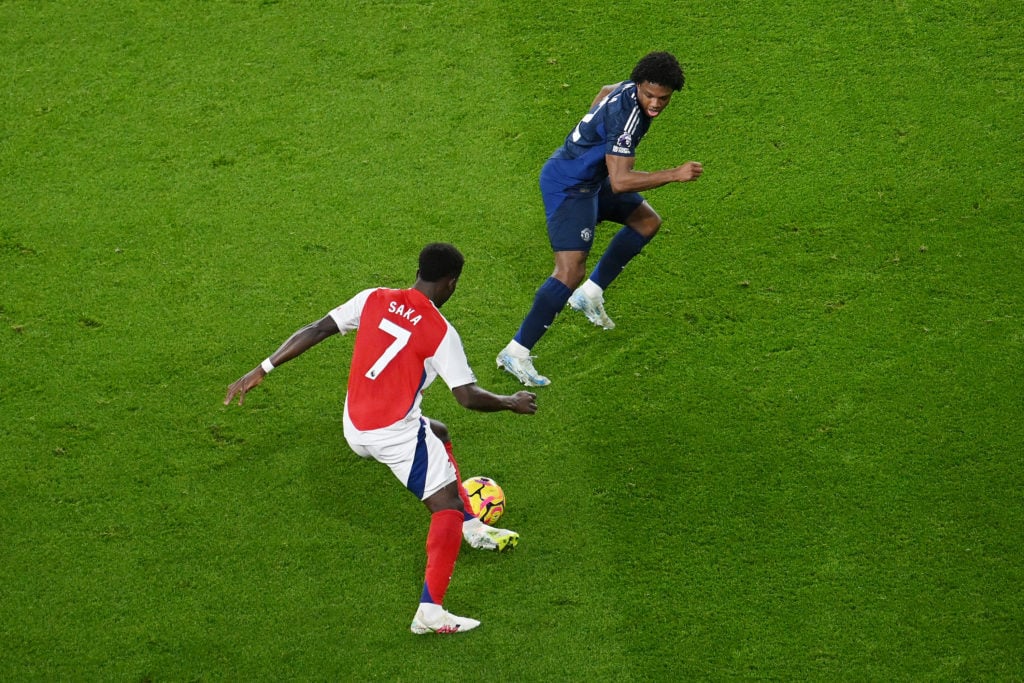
[573,213]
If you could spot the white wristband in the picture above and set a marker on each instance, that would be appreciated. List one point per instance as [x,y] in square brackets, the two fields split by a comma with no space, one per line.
[267,366]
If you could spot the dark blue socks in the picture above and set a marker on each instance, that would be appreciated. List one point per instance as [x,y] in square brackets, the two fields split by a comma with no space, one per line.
[626,244]
[547,303]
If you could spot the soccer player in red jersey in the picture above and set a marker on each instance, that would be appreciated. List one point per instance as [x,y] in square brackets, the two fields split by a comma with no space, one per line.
[403,343]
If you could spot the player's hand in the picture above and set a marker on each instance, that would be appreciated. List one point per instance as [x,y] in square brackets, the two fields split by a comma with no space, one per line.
[244,384]
[691,170]
[524,403]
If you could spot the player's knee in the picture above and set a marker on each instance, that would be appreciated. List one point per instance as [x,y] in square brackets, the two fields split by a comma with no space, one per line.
[440,430]
[570,275]
[645,220]
[570,267]
[447,498]
[649,226]
[570,280]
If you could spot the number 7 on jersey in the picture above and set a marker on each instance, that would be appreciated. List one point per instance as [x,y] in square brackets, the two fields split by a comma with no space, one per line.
[401,336]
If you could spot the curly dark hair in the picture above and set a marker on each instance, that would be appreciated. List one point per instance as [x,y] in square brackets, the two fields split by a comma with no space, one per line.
[660,68]
[439,260]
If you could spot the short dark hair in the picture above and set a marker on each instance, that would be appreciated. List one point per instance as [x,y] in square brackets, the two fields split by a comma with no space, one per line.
[660,68]
[439,260]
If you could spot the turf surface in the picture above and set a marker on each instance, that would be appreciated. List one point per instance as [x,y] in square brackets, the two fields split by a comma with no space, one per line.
[797,456]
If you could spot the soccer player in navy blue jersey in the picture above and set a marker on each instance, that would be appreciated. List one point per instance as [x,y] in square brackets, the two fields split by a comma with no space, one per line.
[590,179]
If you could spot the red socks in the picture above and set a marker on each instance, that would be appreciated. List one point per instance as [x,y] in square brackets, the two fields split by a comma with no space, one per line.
[462,491]
[443,542]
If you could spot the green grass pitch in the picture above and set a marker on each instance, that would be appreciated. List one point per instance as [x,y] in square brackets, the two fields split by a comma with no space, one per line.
[797,457]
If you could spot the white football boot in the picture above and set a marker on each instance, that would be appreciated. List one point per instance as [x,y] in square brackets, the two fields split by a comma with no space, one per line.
[479,535]
[522,368]
[592,308]
[432,618]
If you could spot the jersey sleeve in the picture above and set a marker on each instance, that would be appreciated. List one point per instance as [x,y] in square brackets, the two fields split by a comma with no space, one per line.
[347,315]
[450,361]
[622,119]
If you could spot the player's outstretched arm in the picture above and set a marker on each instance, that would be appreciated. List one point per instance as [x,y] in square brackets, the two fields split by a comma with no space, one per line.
[301,341]
[624,178]
[474,397]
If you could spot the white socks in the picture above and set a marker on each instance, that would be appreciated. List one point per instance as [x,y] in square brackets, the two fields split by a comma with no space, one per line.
[591,290]
[429,613]
[516,349]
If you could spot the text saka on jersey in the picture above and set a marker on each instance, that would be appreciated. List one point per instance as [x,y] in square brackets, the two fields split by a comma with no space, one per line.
[408,314]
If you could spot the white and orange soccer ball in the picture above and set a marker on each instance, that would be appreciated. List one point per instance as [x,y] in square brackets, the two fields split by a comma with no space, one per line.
[486,499]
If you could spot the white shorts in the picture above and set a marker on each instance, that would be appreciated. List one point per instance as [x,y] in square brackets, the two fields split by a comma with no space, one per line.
[415,455]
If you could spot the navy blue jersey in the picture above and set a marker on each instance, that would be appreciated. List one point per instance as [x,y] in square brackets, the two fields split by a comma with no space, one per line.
[615,125]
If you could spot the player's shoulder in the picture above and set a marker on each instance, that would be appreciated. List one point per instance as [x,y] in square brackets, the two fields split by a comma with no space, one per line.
[624,95]
[377,298]
[366,293]
[622,102]
[356,301]
[361,297]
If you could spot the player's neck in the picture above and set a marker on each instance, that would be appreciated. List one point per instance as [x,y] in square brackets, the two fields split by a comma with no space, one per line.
[438,292]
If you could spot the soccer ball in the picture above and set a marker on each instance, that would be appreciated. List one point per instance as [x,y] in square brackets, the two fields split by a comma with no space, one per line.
[486,499]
